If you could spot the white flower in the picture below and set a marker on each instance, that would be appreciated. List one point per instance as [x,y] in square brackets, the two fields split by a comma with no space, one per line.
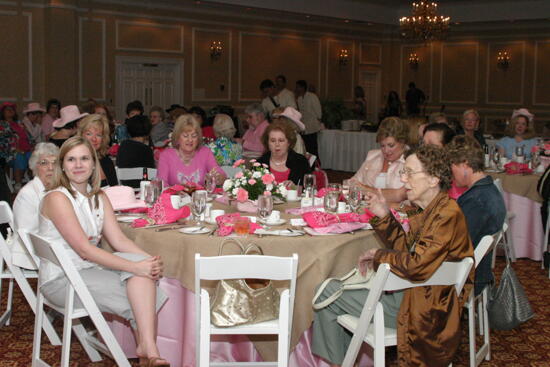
[269,187]
[227,185]
[282,190]
[243,180]
[257,174]
[234,191]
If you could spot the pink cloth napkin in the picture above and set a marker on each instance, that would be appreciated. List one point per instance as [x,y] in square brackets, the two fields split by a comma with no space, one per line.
[299,211]
[317,219]
[515,168]
[225,224]
[340,228]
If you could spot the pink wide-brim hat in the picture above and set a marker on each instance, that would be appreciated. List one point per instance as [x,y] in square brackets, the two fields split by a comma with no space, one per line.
[294,115]
[33,107]
[523,112]
[123,197]
[8,104]
[68,114]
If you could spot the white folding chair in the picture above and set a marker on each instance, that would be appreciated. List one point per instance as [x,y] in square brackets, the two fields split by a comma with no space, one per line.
[484,352]
[13,272]
[507,239]
[376,334]
[136,173]
[236,267]
[55,253]
[544,244]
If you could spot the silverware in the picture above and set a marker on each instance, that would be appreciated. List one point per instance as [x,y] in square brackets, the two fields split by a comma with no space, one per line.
[168,228]
[197,230]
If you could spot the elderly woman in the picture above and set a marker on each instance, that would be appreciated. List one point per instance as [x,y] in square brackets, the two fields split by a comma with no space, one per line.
[95,129]
[381,167]
[427,318]
[52,113]
[481,203]
[257,123]
[225,149]
[136,152]
[279,139]
[188,161]
[77,214]
[65,126]
[161,131]
[470,126]
[520,132]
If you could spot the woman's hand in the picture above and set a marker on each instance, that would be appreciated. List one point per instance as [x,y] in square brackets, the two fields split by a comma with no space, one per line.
[217,176]
[151,268]
[365,261]
[376,203]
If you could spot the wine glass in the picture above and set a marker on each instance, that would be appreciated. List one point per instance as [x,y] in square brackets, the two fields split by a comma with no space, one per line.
[331,201]
[198,204]
[354,198]
[309,182]
[210,183]
[265,206]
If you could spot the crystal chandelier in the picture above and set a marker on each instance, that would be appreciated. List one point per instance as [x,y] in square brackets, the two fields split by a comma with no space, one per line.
[424,24]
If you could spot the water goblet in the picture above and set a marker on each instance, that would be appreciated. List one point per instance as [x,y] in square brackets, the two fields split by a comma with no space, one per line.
[331,201]
[151,195]
[309,182]
[210,183]
[354,198]
[198,204]
[520,154]
[265,206]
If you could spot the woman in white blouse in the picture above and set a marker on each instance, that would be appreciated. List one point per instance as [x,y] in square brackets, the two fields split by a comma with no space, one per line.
[380,170]
[76,214]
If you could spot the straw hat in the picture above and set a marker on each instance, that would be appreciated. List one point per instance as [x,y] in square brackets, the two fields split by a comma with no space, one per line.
[293,115]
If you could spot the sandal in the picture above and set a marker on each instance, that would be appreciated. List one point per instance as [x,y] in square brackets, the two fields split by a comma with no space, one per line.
[152,362]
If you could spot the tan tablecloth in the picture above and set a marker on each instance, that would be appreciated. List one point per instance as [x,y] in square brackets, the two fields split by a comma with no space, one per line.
[522,185]
[320,257]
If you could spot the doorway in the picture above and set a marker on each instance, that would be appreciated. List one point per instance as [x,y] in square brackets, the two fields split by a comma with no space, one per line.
[153,81]
[370,81]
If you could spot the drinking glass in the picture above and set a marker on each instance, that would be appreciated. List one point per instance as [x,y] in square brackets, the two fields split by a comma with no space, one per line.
[346,184]
[210,183]
[309,182]
[198,204]
[335,187]
[496,159]
[265,206]
[242,226]
[151,194]
[520,154]
[331,201]
[354,198]
[535,160]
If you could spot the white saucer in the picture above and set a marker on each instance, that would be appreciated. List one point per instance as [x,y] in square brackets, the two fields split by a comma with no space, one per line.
[273,223]
[126,218]
[210,221]
[195,230]
[294,200]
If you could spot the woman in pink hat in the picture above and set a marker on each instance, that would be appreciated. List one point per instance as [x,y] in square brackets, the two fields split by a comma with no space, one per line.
[519,132]
[33,122]
[23,145]
[293,117]
[65,126]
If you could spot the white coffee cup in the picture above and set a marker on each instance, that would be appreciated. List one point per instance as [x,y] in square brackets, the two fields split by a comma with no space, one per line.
[341,207]
[175,200]
[292,195]
[214,213]
[274,217]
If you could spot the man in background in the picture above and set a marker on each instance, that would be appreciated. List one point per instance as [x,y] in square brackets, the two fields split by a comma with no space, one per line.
[310,107]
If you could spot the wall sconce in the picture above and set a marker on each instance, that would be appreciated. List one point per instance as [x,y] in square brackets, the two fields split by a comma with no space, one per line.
[503,60]
[343,57]
[413,60]
[216,50]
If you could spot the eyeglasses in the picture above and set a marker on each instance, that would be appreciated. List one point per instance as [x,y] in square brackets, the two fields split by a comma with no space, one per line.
[45,162]
[408,172]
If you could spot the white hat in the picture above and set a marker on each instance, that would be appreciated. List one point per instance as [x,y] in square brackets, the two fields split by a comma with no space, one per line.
[123,197]
[68,114]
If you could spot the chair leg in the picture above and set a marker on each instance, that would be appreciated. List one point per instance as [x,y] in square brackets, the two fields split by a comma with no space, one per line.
[37,329]
[204,337]
[82,336]
[486,338]
[10,301]
[510,244]
[67,327]
[480,316]
[472,331]
[379,347]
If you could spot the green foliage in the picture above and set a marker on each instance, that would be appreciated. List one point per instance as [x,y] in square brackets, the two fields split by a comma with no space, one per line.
[334,111]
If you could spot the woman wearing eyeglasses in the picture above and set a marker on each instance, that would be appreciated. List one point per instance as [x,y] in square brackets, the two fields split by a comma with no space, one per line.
[427,318]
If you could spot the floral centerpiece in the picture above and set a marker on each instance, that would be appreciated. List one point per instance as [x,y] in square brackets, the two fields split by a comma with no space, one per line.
[252,182]
[543,150]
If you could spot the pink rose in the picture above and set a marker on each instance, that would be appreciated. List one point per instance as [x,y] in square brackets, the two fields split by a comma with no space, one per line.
[267,193]
[238,175]
[252,160]
[265,165]
[251,181]
[242,195]
[238,163]
[268,178]
[256,164]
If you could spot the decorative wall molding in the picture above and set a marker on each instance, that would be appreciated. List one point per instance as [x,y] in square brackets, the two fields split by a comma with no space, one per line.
[379,59]
[229,64]
[536,72]
[476,74]
[103,58]
[151,25]
[491,62]
[240,57]
[352,58]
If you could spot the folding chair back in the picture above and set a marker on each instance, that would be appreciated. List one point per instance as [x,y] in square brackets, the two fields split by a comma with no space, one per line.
[56,254]
[6,215]
[483,247]
[237,267]
[135,173]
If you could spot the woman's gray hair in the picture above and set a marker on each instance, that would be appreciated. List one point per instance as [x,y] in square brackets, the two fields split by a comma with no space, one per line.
[224,126]
[42,149]
[255,108]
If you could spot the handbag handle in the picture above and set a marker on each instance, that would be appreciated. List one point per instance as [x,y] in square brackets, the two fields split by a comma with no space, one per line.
[253,246]
[231,240]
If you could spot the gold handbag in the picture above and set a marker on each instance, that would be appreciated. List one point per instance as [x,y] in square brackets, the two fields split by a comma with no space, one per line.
[243,301]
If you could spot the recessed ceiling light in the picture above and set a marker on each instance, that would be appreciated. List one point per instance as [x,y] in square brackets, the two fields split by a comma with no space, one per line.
[346,21]
[308,16]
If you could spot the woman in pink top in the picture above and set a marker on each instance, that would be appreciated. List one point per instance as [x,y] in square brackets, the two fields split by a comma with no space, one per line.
[52,113]
[188,161]
[257,123]
[381,167]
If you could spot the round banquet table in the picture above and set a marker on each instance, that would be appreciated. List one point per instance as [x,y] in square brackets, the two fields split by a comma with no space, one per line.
[522,199]
[320,257]
[344,150]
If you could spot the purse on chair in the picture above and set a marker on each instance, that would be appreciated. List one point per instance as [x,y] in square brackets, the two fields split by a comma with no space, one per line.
[243,301]
[508,305]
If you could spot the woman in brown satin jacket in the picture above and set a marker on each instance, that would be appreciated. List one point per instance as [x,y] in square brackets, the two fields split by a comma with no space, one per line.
[428,318]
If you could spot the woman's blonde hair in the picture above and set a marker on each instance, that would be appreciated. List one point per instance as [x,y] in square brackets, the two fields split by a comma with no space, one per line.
[414,124]
[511,128]
[393,127]
[223,126]
[60,177]
[101,122]
[186,122]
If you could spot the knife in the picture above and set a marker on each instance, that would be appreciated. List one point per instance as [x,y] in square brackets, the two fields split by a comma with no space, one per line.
[169,228]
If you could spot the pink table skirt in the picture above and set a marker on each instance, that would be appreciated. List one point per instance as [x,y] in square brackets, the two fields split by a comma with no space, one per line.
[176,336]
[526,226]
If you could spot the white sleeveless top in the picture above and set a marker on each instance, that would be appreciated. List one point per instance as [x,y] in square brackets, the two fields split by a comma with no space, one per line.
[91,221]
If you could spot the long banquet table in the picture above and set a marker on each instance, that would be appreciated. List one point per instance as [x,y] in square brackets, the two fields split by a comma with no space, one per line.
[344,150]
[522,199]
[319,257]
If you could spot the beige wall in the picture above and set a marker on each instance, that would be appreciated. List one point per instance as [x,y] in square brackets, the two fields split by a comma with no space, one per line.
[65,51]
